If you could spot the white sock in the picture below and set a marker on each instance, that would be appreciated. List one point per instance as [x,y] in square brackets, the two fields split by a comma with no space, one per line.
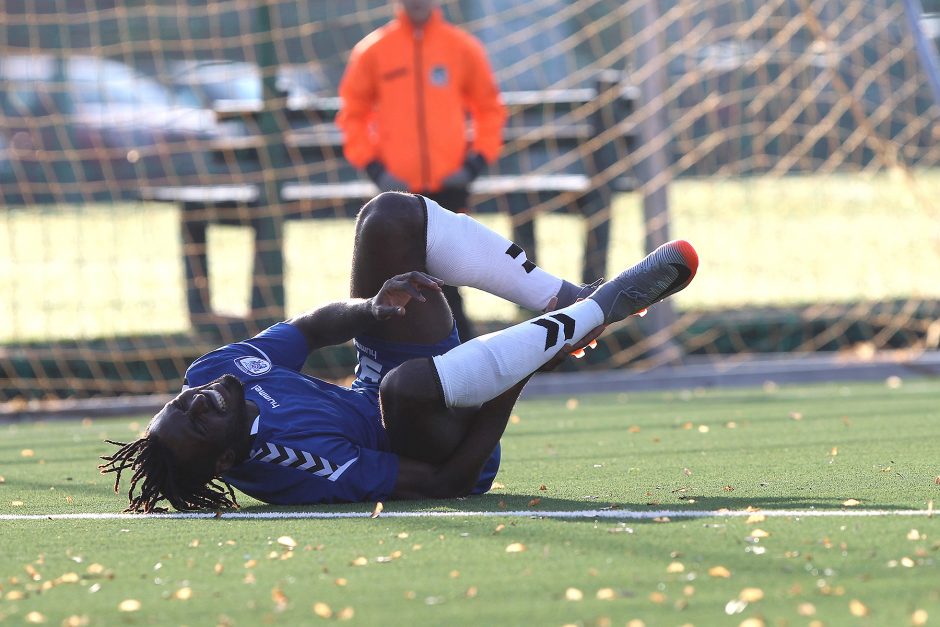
[485,367]
[461,251]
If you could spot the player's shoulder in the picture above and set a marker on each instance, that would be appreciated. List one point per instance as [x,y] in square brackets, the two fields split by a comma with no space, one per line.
[239,359]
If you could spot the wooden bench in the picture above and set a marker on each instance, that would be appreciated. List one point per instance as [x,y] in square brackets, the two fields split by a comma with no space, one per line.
[562,153]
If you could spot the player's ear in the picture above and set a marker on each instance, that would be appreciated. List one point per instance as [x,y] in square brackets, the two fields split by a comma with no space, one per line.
[225,461]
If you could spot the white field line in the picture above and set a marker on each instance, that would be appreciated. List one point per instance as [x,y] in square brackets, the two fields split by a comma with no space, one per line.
[612,514]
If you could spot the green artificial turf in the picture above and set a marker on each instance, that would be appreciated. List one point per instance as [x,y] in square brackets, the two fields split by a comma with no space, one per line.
[834,448]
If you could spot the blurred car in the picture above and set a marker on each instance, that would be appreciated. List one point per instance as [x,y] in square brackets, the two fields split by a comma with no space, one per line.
[92,126]
[207,83]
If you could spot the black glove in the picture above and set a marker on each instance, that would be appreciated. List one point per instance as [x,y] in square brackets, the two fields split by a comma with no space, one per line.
[471,168]
[383,179]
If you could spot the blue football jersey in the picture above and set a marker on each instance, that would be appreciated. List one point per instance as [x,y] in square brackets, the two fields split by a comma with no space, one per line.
[314,442]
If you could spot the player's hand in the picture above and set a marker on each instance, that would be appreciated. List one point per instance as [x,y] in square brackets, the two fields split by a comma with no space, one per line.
[399,290]
[576,350]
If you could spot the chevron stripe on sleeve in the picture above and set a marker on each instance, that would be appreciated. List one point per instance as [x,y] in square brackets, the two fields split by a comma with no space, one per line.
[280,455]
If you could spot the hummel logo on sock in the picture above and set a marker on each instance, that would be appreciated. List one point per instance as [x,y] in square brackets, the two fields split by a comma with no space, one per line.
[514,251]
[552,324]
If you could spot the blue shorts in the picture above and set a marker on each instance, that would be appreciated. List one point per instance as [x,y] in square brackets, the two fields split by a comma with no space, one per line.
[377,357]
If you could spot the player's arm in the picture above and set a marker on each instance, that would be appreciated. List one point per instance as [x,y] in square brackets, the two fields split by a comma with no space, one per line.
[339,322]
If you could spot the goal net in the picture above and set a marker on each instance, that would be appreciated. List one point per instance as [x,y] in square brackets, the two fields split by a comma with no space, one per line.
[171,177]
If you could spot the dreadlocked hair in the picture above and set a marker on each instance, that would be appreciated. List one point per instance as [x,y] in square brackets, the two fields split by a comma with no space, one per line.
[157,478]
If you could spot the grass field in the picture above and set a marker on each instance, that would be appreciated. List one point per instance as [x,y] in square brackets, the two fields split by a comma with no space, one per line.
[827,454]
[79,272]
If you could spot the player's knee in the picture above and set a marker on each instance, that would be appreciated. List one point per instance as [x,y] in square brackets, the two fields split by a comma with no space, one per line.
[408,387]
[392,215]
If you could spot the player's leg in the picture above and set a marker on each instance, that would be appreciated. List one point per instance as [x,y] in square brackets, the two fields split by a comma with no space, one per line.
[390,240]
[396,233]
[487,366]
[417,394]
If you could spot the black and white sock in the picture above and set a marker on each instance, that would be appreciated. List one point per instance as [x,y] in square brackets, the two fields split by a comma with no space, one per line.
[462,251]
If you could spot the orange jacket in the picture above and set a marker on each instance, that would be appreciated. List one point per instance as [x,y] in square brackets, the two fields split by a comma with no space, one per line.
[406,94]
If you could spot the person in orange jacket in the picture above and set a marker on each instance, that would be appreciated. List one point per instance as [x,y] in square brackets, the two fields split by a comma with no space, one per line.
[407,93]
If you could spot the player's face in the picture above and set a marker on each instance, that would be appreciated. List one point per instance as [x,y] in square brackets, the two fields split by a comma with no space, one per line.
[418,11]
[201,424]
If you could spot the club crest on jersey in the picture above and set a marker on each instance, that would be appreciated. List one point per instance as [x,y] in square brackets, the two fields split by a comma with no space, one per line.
[439,75]
[253,365]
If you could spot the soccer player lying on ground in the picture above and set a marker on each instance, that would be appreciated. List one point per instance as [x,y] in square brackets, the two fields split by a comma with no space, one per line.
[425,414]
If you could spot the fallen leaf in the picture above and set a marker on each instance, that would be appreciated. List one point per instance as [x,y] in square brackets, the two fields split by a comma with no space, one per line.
[288,542]
[347,613]
[573,594]
[571,404]
[751,595]
[279,598]
[471,592]
[497,486]
[913,534]
[752,622]
[919,617]
[606,594]
[851,502]
[759,533]
[183,594]
[657,597]
[636,429]
[755,518]
[322,610]
[359,561]
[27,452]
[857,608]
[515,547]
[129,605]
[675,567]
[728,488]
[719,571]
[35,618]
[796,415]
[806,609]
